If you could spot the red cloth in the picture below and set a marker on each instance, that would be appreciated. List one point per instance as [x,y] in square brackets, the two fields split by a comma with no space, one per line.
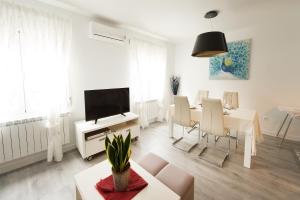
[106,187]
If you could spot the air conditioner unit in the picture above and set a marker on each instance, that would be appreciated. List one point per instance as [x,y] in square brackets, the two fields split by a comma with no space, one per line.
[105,33]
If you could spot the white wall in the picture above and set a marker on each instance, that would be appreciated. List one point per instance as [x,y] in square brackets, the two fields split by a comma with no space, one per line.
[94,65]
[274,67]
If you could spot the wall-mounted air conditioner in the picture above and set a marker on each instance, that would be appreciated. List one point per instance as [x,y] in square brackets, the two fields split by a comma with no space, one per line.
[105,33]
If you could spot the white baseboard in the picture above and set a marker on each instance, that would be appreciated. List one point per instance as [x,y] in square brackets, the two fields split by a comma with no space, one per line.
[268,132]
[152,120]
[275,120]
[293,137]
[28,160]
[288,137]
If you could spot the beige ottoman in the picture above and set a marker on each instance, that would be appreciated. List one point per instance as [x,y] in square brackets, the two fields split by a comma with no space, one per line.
[177,180]
[152,163]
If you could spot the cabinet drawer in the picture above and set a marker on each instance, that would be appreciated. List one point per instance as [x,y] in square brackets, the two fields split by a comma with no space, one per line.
[94,146]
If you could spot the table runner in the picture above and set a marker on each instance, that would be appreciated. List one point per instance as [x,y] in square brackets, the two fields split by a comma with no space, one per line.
[106,187]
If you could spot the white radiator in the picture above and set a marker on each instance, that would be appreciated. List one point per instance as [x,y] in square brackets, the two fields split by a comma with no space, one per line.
[26,138]
[152,110]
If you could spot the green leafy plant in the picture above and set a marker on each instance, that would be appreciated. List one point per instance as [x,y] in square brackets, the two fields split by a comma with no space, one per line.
[118,152]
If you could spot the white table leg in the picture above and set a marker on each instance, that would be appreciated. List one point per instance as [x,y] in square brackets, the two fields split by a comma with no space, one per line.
[171,128]
[248,150]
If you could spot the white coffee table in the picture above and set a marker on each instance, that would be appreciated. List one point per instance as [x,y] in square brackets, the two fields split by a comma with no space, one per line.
[86,180]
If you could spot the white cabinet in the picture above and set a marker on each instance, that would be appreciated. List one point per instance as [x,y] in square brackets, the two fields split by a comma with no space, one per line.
[95,145]
[90,137]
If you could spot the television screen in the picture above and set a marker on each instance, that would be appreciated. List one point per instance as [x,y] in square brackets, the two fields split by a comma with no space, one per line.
[104,103]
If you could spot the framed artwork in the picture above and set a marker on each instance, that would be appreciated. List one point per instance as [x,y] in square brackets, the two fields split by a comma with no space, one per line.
[233,65]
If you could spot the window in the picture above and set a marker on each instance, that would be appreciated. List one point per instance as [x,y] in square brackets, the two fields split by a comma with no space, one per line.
[148,63]
[34,48]
[148,70]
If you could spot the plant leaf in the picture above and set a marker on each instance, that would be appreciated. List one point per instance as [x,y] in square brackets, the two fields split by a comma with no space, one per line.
[111,153]
[115,137]
[118,152]
[114,143]
[126,150]
[107,141]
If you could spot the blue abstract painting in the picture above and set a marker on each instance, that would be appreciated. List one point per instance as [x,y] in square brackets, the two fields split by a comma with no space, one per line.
[233,65]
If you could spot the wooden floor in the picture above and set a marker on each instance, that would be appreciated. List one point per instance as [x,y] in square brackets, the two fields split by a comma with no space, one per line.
[275,173]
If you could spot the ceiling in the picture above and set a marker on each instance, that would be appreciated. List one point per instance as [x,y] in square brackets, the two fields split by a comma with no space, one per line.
[181,19]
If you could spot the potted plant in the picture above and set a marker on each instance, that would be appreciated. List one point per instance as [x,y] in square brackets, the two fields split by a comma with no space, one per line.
[175,81]
[118,152]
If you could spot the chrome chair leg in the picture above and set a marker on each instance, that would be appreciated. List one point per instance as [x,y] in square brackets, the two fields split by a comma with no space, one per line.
[228,145]
[237,139]
[286,130]
[206,139]
[282,124]
[199,135]
[193,128]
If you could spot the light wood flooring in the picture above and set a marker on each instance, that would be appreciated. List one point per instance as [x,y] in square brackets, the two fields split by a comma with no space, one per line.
[275,173]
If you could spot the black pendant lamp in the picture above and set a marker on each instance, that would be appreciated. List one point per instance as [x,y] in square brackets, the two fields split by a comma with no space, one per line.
[212,43]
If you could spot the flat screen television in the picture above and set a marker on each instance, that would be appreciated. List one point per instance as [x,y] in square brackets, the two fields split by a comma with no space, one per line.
[104,103]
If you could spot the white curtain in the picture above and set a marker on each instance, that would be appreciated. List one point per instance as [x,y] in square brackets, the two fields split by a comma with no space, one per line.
[11,84]
[147,77]
[34,49]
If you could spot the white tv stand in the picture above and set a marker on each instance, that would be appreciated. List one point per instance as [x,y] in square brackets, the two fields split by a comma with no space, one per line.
[90,137]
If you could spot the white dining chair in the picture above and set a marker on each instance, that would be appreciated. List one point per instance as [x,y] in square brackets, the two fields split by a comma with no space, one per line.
[182,117]
[212,121]
[201,95]
[231,100]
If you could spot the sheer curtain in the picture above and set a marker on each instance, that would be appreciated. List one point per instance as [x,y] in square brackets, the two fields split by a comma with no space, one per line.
[34,49]
[147,77]
[11,84]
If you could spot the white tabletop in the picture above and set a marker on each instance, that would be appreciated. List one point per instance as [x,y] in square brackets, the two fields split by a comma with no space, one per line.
[86,180]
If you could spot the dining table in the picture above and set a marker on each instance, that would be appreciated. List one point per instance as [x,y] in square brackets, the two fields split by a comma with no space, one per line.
[240,119]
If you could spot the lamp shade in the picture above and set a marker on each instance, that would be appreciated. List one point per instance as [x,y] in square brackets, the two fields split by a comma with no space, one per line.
[210,44]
